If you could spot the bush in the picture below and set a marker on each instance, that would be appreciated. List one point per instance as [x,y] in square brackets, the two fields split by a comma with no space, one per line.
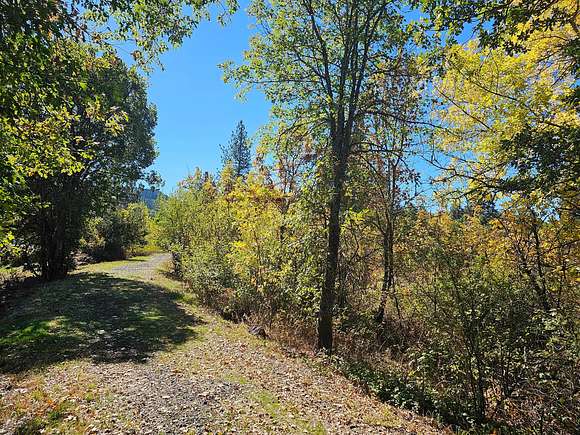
[396,387]
[487,339]
[115,235]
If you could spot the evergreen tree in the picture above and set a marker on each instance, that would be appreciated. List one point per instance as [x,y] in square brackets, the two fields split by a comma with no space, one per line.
[238,152]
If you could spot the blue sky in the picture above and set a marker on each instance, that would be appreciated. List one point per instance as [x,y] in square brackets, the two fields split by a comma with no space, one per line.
[196,110]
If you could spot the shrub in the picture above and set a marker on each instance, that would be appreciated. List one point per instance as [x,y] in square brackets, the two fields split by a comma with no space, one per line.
[115,235]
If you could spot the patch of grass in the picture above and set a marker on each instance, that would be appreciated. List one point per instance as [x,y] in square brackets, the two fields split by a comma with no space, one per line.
[187,298]
[318,429]
[33,426]
[39,395]
[59,412]
[386,419]
[268,402]
[37,330]
[90,396]
[95,316]
[53,417]
[166,279]
[236,378]
[279,412]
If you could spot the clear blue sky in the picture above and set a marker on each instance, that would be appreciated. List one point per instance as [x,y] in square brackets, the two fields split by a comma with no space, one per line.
[196,110]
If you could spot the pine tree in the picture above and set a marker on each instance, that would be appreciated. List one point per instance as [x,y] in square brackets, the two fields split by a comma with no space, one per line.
[238,152]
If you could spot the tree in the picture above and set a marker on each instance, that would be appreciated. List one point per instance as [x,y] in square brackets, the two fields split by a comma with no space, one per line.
[391,181]
[111,137]
[35,111]
[31,108]
[502,23]
[529,41]
[386,158]
[512,136]
[316,61]
[515,111]
[238,152]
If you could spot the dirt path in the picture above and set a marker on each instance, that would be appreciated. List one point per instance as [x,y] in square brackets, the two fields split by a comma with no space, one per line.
[144,269]
[120,348]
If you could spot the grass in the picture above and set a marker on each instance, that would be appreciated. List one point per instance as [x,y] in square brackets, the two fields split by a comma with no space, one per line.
[44,408]
[94,316]
[281,412]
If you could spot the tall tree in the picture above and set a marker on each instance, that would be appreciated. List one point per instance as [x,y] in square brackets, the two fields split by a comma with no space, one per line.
[387,155]
[34,109]
[317,61]
[111,137]
[238,152]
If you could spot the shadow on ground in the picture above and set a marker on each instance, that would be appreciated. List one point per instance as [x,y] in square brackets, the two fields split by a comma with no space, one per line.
[95,316]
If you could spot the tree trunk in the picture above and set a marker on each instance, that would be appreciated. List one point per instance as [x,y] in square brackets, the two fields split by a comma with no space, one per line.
[54,261]
[388,286]
[328,289]
[54,230]
[387,272]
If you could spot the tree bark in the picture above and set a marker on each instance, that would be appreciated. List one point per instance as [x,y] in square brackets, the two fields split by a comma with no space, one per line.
[57,231]
[387,272]
[325,336]
[54,259]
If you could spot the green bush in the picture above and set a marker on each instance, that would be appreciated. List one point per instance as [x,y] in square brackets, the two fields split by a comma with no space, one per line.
[399,389]
[115,235]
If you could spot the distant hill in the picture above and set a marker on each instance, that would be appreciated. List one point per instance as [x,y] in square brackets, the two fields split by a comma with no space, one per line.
[149,197]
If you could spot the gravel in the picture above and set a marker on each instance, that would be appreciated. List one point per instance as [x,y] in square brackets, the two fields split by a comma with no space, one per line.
[143,269]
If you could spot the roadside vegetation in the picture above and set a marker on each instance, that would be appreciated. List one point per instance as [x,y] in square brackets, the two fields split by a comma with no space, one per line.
[455,297]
